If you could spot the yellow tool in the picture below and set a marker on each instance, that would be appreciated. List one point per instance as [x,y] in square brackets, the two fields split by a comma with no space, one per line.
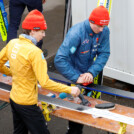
[96,94]
[47,109]
[122,129]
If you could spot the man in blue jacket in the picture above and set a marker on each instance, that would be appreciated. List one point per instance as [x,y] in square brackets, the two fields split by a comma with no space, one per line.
[84,42]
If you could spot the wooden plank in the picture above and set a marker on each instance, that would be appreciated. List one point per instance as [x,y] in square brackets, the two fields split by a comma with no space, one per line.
[86,119]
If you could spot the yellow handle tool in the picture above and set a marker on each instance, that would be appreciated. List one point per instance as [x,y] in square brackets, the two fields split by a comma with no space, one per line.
[47,109]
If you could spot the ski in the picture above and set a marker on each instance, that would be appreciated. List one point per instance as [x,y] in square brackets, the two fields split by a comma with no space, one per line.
[79,108]
[93,87]
[87,110]
[3,21]
[105,3]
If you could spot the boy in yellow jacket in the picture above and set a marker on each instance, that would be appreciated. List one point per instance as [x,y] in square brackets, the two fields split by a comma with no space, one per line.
[27,67]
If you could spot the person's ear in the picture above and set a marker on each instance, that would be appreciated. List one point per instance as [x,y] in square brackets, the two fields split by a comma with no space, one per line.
[32,32]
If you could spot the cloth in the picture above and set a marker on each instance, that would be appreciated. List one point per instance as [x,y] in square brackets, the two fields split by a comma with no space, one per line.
[78,50]
[27,66]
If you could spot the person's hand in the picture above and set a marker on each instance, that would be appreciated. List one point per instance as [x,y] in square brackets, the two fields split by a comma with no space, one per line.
[87,77]
[75,91]
[39,105]
[43,1]
[80,80]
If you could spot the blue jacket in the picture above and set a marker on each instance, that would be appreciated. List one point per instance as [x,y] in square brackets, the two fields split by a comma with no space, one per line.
[78,50]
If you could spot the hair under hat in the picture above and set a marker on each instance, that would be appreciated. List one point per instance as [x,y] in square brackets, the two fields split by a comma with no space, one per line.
[100,16]
[34,21]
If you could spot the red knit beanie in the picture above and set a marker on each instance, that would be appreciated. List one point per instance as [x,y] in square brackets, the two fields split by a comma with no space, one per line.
[99,16]
[34,21]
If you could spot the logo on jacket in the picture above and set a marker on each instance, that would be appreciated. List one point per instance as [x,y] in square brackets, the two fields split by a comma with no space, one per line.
[15,50]
[91,34]
[72,49]
[97,40]
[84,52]
[85,41]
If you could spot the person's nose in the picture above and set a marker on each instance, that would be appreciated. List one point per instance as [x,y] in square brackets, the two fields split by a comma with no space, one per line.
[44,34]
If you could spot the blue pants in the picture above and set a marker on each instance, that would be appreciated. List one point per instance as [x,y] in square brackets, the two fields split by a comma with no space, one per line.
[16,9]
[28,118]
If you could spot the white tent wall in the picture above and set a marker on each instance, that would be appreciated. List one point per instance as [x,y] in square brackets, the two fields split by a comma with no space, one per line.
[120,65]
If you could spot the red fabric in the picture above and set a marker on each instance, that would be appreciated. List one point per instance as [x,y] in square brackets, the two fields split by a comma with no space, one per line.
[34,21]
[99,16]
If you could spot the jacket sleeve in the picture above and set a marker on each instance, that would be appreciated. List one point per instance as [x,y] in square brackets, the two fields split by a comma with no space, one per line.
[3,60]
[63,59]
[103,54]
[39,65]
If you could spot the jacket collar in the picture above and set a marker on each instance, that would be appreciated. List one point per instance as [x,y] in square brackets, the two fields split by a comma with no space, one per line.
[88,28]
[32,39]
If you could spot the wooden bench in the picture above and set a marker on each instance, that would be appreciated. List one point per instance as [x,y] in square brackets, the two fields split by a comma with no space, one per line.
[86,119]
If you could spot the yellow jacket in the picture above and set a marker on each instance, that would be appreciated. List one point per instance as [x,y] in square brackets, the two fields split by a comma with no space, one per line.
[27,66]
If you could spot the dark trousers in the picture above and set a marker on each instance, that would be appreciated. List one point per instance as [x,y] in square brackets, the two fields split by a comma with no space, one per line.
[75,128]
[28,118]
[16,9]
